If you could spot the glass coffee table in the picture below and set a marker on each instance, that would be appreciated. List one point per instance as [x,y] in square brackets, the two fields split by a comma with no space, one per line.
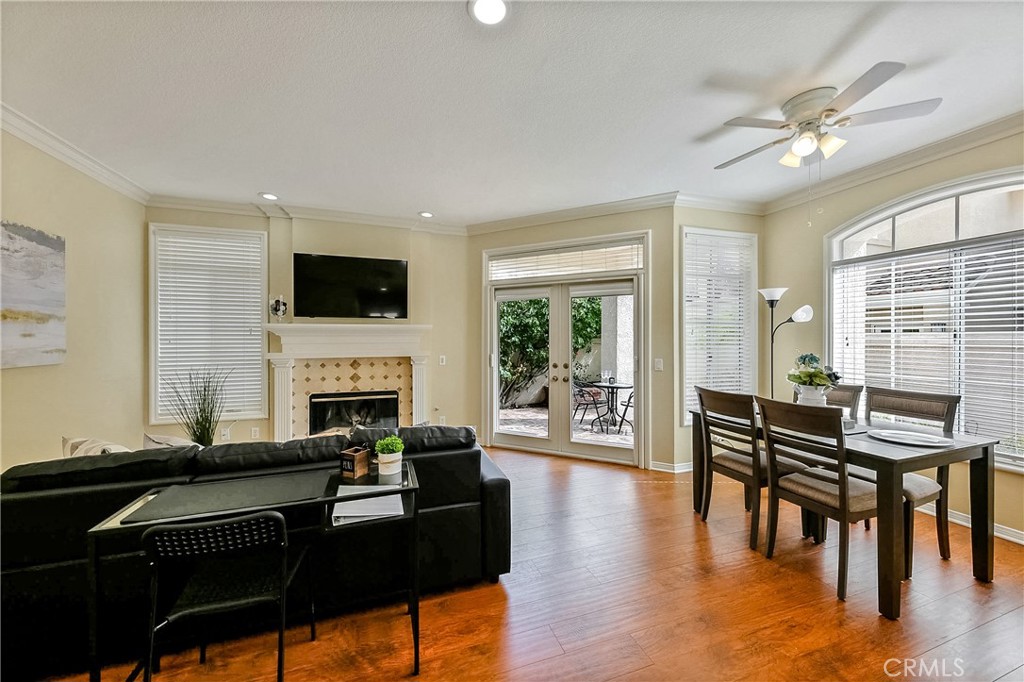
[308,499]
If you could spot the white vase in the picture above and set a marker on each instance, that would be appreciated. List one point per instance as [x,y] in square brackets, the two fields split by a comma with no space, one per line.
[811,395]
[389,464]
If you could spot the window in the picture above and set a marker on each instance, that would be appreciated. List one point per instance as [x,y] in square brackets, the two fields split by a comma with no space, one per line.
[577,259]
[719,312]
[208,293]
[943,311]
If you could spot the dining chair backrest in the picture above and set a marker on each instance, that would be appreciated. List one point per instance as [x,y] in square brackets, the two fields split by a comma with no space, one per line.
[236,535]
[810,435]
[728,422]
[939,407]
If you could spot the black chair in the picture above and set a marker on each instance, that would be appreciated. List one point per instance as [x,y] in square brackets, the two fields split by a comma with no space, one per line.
[918,490]
[627,404]
[814,437]
[221,566]
[587,396]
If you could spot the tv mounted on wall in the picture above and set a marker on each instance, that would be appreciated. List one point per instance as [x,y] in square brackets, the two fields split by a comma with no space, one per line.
[346,286]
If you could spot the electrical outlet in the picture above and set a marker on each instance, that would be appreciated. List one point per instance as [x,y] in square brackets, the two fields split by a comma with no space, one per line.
[441,420]
[442,360]
[225,434]
[254,433]
[659,365]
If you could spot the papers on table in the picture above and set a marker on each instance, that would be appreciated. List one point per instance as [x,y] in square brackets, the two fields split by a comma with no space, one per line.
[367,508]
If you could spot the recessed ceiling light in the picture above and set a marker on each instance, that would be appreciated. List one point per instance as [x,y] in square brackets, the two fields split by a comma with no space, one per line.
[268,196]
[488,12]
[426,214]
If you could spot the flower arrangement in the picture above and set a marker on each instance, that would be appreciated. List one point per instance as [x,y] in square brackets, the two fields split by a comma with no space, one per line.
[809,372]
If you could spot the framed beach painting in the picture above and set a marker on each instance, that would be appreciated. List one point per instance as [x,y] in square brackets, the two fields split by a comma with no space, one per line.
[32,297]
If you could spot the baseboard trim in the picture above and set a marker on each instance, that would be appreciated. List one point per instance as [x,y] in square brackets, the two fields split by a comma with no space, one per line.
[961,519]
[680,468]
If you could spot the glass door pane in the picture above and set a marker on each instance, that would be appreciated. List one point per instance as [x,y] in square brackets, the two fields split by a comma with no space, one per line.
[524,335]
[603,400]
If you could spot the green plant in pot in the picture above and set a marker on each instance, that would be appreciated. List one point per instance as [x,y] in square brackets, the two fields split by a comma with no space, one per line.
[197,402]
[811,380]
[389,455]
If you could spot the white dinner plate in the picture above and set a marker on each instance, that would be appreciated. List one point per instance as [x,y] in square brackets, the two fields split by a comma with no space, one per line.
[909,438]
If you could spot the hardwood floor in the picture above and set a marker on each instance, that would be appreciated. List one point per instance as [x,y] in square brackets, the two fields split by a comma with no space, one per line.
[615,578]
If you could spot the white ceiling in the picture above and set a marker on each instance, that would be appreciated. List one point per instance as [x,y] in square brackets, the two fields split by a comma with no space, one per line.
[389,108]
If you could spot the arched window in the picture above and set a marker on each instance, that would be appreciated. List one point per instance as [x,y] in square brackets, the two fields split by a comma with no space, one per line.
[927,294]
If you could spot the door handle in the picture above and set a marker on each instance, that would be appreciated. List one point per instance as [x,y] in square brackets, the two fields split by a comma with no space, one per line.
[565,365]
[565,378]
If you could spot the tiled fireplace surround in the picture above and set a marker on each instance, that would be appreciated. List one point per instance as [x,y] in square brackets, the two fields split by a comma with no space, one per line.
[328,358]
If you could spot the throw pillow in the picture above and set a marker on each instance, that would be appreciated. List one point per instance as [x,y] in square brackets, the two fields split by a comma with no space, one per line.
[157,440]
[90,446]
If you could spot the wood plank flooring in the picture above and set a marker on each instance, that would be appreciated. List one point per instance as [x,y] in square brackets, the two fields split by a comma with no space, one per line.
[615,578]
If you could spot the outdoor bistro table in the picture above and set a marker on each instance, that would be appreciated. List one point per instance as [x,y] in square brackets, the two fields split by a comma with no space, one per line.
[890,461]
[612,391]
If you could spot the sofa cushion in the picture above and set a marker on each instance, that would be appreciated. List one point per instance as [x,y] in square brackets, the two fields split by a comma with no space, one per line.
[230,457]
[369,437]
[116,467]
[428,438]
[321,448]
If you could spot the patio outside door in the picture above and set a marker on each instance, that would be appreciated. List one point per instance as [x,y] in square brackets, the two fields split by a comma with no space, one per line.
[564,370]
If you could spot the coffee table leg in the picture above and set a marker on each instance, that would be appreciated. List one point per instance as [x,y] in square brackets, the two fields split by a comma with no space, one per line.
[94,617]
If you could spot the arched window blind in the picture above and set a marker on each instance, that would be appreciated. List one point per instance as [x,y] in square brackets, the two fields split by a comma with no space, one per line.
[208,297]
[719,312]
[946,318]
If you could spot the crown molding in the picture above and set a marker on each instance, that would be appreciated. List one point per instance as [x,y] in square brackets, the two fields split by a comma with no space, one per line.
[664,200]
[991,132]
[208,206]
[715,204]
[26,129]
[335,216]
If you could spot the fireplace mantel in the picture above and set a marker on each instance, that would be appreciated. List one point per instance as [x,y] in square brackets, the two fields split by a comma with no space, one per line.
[318,340]
[301,340]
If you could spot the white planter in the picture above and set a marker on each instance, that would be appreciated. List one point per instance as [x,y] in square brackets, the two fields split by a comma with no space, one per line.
[390,464]
[811,395]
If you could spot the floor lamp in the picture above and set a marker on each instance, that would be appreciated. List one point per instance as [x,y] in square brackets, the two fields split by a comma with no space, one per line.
[801,314]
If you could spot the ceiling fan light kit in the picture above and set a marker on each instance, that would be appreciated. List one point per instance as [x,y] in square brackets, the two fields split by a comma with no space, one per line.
[811,114]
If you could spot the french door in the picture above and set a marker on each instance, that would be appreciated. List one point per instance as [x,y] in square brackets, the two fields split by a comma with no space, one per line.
[564,379]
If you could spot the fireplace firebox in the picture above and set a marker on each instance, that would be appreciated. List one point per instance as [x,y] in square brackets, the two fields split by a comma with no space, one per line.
[345,411]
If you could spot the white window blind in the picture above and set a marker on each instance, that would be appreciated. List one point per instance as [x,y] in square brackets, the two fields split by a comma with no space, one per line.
[575,260]
[948,319]
[209,293]
[719,312]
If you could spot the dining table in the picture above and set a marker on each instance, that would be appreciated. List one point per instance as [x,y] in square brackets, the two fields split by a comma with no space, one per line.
[890,460]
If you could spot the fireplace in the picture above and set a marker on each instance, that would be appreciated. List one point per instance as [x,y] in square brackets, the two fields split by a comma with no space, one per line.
[345,411]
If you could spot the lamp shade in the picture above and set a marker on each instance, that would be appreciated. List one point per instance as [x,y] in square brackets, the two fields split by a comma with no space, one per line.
[791,160]
[803,314]
[830,144]
[773,295]
[805,144]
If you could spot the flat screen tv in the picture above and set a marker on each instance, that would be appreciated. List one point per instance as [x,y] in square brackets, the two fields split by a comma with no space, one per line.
[346,286]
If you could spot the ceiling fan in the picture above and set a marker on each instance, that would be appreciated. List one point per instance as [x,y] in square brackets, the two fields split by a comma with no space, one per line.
[813,114]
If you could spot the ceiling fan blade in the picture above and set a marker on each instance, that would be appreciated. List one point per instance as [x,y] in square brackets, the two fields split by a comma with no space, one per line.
[863,86]
[760,149]
[922,108]
[743,122]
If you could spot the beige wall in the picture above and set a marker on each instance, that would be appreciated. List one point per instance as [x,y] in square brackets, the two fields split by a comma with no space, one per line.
[99,389]
[792,255]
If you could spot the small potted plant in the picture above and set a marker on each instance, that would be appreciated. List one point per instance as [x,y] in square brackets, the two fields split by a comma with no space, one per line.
[197,401]
[811,380]
[389,455]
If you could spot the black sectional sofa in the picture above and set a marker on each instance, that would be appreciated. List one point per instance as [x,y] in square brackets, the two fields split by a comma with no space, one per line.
[46,508]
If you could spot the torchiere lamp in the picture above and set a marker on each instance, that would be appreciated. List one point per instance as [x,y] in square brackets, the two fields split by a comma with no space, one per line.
[801,314]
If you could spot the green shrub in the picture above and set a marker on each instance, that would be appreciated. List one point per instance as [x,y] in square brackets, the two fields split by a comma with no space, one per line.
[389,445]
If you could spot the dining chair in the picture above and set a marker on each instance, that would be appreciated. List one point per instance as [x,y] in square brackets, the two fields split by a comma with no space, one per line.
[221,566]
[918,490]
[814,437]
[729,426]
